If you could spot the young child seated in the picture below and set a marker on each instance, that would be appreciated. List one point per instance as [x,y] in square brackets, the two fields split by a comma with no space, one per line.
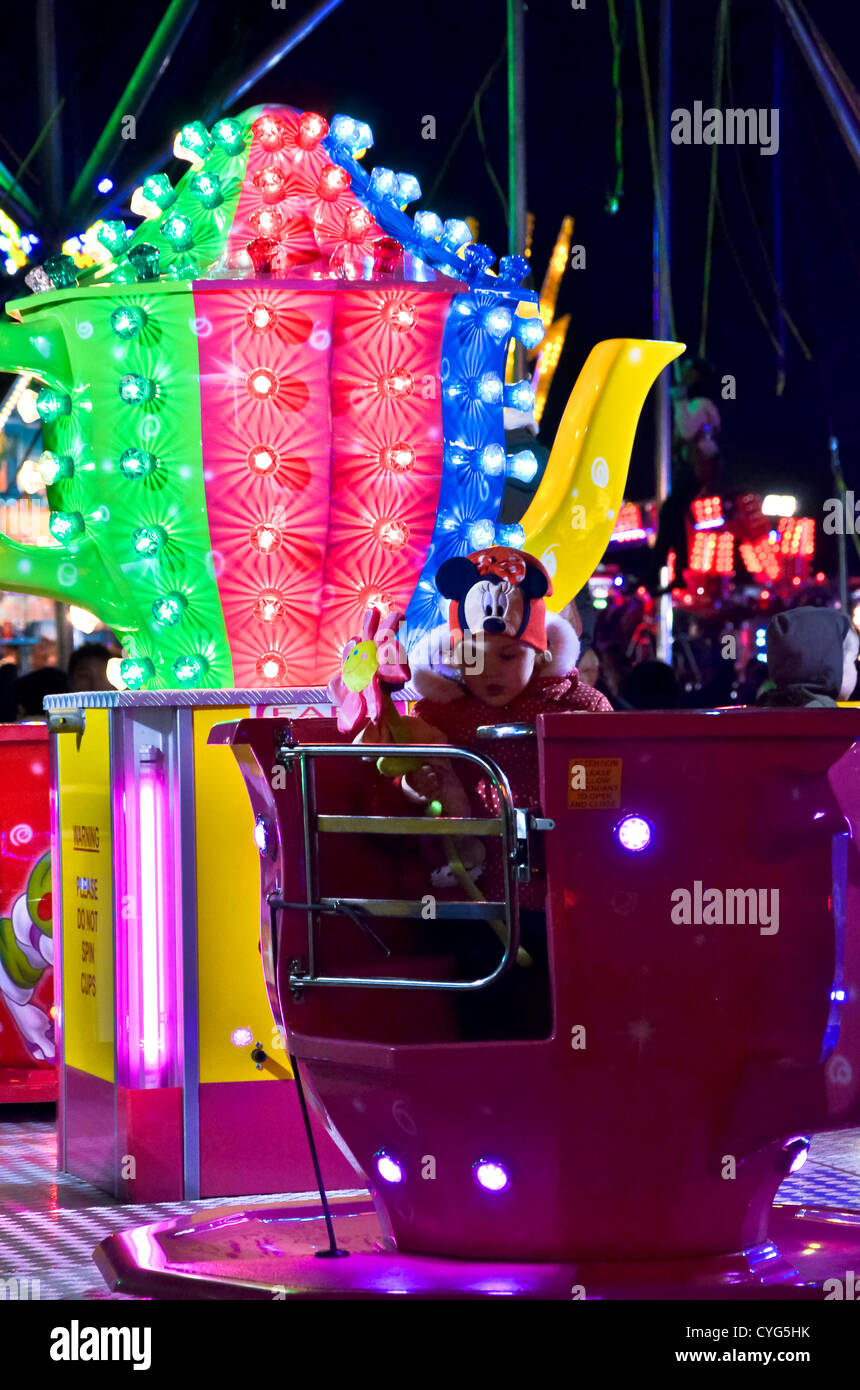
[811,659]
[506,660]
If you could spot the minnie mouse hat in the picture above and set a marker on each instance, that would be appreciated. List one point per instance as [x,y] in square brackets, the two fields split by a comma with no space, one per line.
[498,590]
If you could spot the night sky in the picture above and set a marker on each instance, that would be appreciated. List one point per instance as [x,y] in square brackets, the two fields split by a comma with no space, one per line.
[393,66]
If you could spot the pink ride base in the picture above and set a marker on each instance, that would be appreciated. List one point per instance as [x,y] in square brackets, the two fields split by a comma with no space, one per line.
[265,1251]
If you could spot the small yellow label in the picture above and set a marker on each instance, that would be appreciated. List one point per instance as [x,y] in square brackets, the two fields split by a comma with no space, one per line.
[594,784]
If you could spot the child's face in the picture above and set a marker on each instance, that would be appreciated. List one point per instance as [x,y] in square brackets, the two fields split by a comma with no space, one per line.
[508,667]
[850,650]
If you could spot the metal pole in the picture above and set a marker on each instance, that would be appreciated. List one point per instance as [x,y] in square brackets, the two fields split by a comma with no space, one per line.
[516,144]
[661,291]
[273,56]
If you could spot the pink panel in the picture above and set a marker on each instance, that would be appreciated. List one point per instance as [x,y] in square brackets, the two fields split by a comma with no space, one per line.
[293,501]
[272,1155]
[371,341]
[149,1129]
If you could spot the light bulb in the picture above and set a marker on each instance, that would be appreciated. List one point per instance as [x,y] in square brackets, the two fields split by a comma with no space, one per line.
[529,331]
[136,671]
[489,388]
[190,670]
[523,466]
[332,182]
[271,183]
[399,458]
[266,538]
[137,463]
[428,225]
[401,315]
[262,318]
[207,189]
[455,233]
[520,395]
[229,135]
[312,128]
[193,142]
[52,405]
[481,534]
[269,607]
[262,384]
[271,131]
[54,467]
[399,382]
[391,533]
[148,540]
[128,321]
[271,667]
[497,321]
[66,526]
[493,460]
[169,608]
[136,390]
[263,460]
[267,222]
[159,190]
[178,230]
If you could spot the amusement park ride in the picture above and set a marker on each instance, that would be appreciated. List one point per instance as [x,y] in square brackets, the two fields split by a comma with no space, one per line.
[276,404]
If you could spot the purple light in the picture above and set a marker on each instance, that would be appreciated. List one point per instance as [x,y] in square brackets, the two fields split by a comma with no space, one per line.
[264,837]
[241,1037]
[152,925]
[798,1147]
[618,580]
[838,995]
[388,1168]
[634,833]
[492,1176]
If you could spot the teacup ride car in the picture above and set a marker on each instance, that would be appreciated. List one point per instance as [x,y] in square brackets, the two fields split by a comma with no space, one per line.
[702,1017]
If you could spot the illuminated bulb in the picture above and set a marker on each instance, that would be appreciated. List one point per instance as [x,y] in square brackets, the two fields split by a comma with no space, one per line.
[390,533]
[312,129]
[169,608]
[144,258]
[401,315]
[66,526]
[399,458]
[388,1168]
[271,131]
[493,460]
[189,670]
[207,189]
[159,190]
[262,251]
[52,405]
[497,321]
[27,406]
[523,466]
[478,259]
[493,1177]
[128,321]
[267,222]
[398,382]
[136,671]
[62,271]
[383,183]
[266,538]
[333,181]
[178,230]
[269,607]
[137,463]
[262,384]
[148,540]
[511,534]
[271,667]
[82,620]
[520,395]
[345,131]
[242,1037]
[634,832]
[136,390]
[408,189]
[365,139]
[489,388]
[455,233]
[481,534]
[428,225]
[193,142]
[271,183]
[229,135]
[104,185]
[356,224]
[262,318]
[54,467]
[512,271]
[463,306]
[263,460]
[529,331]
[29,478]
[387,255]
[113,237]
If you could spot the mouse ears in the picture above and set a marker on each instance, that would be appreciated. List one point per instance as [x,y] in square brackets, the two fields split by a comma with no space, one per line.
[455,577]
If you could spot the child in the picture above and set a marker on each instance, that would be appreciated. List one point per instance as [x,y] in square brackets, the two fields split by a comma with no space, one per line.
[811,659]
[509,662]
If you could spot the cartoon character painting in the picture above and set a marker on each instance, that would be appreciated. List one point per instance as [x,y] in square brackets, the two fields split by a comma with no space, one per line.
[26,953]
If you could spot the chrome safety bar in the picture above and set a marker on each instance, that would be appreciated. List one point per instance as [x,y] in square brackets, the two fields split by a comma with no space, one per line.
[509,825]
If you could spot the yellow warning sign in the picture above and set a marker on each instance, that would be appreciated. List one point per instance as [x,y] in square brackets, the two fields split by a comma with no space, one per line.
[594,784]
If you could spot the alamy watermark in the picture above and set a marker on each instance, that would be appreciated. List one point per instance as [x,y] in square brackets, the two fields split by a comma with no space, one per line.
[734,126]
[708,907]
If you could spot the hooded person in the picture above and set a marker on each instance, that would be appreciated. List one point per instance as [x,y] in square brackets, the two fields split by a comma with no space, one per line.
[811,656]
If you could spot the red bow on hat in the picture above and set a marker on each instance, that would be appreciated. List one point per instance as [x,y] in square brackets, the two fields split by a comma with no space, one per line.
[512,567]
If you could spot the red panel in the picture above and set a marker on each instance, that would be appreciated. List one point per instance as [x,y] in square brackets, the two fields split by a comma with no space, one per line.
[149,1132]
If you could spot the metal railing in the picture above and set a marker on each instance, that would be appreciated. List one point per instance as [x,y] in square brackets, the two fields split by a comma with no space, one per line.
[511,827]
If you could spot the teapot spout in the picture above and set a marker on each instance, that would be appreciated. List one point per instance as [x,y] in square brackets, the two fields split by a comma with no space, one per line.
[573,513]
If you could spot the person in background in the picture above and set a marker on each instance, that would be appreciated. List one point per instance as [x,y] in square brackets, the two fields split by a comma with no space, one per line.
[652,685]
[8,677]
[29,691]
[811,659]
[44,653]
[588,666]
[88,668]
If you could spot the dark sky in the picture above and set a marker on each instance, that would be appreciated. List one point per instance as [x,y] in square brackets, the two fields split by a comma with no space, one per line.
[392,65]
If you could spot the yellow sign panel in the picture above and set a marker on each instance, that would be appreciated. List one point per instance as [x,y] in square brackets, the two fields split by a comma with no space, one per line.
[594,784]
[86,854]
[232,988]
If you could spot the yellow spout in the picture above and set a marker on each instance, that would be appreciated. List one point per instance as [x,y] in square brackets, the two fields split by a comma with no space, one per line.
[574,511]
